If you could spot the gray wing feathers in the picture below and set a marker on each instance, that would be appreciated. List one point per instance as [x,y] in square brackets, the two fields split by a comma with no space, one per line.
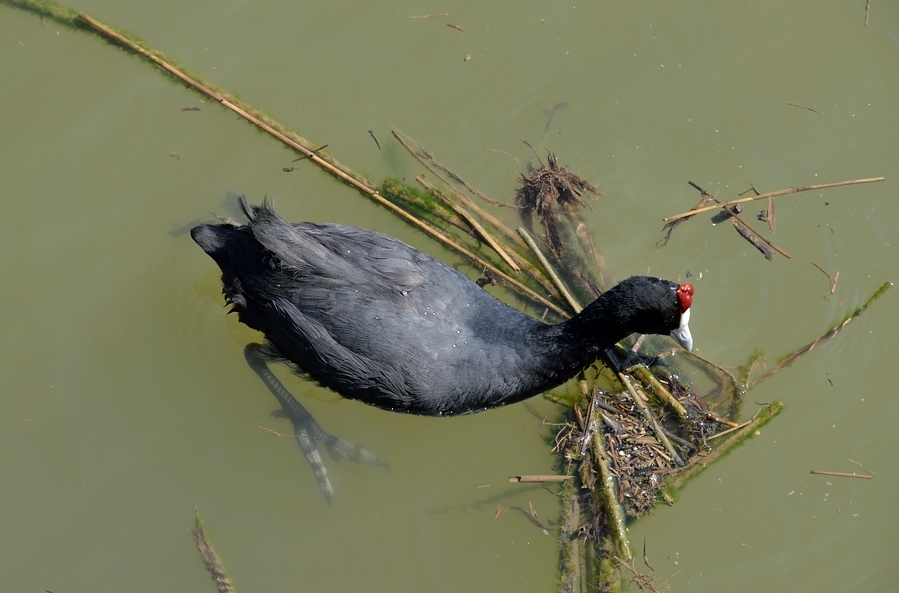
[344,366]
[335,251]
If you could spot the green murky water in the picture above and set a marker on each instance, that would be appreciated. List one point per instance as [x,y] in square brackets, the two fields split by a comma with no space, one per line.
[125,399]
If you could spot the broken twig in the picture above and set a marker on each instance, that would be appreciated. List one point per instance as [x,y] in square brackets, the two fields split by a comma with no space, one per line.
[833,279]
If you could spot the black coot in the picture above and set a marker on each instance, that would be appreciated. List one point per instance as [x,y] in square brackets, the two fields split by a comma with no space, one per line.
[378,321]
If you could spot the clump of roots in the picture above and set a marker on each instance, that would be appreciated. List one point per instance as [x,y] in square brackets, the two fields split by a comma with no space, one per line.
[549,192]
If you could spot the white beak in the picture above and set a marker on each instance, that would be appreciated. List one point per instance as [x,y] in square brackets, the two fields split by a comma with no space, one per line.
[682,333]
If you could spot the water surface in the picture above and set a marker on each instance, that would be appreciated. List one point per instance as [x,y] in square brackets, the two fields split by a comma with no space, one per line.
[126,400]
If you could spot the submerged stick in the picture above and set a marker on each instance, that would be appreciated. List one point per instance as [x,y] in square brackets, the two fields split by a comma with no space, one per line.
[781,192]
[210,558]
[604,278]
[829,334]
[744,229]
[756,239]
[791,104]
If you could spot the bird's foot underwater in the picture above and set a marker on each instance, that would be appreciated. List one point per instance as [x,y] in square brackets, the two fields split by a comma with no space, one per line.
[306,429]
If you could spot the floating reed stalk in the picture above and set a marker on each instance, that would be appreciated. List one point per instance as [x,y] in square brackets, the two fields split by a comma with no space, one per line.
[538,479]
[575,306]
[781,192]
[820,472]
[475,225]
[303,147]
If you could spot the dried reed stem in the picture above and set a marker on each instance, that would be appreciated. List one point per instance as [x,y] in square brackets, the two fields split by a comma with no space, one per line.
[650,419]
[781,192]
[472,221]
[363,185]
[576,307]
[840,474]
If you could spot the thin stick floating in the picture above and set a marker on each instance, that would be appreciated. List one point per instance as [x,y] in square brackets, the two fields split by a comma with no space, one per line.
[781,192]
[820,472]
[538,479]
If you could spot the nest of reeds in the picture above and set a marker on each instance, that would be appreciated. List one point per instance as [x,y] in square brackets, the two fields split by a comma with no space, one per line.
[549,192]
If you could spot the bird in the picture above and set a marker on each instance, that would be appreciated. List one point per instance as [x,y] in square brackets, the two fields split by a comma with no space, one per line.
[378,321]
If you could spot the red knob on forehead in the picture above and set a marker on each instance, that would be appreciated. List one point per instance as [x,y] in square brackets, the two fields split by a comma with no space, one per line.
[685,296]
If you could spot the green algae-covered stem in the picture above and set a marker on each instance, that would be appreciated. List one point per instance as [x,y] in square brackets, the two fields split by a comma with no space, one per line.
[210,558]
[571,579]
[700,462]
[606,490]
[422,154]
[60,14]
[829,334]
[475,225]
[420,203]
[650,382]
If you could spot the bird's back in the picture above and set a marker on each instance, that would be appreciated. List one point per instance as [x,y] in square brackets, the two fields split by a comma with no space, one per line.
[371,317]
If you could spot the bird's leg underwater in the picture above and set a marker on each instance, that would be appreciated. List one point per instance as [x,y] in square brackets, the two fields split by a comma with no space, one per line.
[306,429]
